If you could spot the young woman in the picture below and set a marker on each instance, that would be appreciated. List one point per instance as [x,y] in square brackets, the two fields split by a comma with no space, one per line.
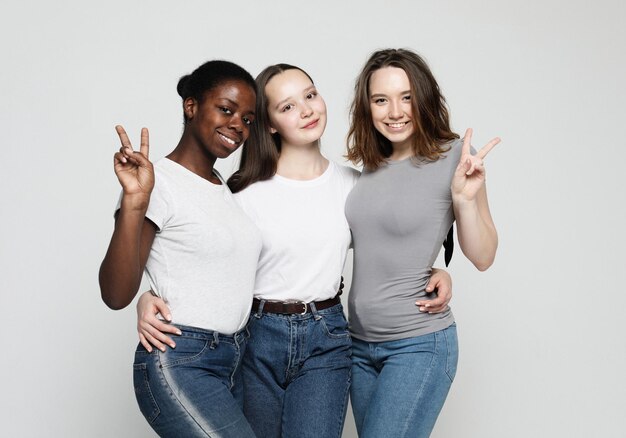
[418,178]
[297,365]
[200,253]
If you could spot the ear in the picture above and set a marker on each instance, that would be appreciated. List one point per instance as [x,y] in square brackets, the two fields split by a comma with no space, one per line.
[272,130]
[190,107]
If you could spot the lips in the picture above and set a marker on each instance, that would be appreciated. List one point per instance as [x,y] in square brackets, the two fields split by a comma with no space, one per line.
[233,142]
[312,124]
[397,125]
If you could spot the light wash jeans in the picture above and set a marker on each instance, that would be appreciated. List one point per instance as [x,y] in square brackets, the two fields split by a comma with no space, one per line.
[399,387]
[296,373]
[194,390]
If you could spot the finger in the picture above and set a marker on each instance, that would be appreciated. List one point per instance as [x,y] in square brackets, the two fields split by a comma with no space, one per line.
[164,310]
[119,158]
[463,167]
[438,309]
[482,153]
[145,343]
[158,335]
[123,137]
[155,342]
[467,141]
[158,325]
[144,146]
[470,167]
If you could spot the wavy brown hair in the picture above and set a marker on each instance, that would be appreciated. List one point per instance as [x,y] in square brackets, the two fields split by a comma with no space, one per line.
[430,113]
[260,152]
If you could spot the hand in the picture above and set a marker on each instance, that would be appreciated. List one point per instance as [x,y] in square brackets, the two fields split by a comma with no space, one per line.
[469,176]
[150,328]
[441,284]
[133,169]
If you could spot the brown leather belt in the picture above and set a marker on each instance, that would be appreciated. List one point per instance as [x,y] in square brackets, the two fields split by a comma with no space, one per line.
[296,307]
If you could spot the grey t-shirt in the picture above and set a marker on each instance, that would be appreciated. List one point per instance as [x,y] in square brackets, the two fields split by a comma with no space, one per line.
[399,215]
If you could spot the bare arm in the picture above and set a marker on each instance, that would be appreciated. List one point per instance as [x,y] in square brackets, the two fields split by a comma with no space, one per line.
[475,228]
[122,267]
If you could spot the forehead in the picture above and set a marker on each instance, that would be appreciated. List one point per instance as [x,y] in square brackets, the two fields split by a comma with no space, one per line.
[236,91]
[288,83]
[389,79]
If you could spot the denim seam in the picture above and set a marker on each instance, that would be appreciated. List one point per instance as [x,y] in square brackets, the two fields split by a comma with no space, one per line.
[146,383]
[344,407]
[181,404]
[448,356]
[421,389]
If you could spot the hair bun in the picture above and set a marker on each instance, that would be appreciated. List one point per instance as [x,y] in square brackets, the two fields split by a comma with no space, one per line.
[182,88]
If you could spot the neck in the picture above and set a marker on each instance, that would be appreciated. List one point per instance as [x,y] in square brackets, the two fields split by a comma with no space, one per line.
[301,162]
[189,154]
[401,151]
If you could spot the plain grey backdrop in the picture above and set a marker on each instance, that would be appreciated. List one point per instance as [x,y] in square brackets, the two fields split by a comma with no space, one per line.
[541,333]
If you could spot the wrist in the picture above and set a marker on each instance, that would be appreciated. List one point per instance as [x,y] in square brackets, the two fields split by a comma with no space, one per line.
[135,203]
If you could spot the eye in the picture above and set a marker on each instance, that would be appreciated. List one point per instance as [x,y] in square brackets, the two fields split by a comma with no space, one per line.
[248,120]
[286,107]
[225,110]
[407,98]
[311,95]
[380,100]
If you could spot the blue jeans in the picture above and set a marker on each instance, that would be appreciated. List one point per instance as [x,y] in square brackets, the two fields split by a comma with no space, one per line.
[399,387]
[296,373]
[194,390]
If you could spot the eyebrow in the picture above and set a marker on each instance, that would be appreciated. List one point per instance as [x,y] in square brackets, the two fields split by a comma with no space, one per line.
[306,90]
[236,104]
[384,95]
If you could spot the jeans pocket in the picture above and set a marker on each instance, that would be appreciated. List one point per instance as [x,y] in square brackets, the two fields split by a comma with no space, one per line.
[145,399]
[187,350]
[335,326]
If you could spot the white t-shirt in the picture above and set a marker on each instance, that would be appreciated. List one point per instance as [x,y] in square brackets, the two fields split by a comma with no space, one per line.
[204,255]
[305,233]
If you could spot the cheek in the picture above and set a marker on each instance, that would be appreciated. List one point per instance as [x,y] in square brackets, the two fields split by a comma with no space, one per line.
[377,113]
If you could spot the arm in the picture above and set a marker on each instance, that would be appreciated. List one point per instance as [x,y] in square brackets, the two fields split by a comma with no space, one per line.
[475,228]
[122,267]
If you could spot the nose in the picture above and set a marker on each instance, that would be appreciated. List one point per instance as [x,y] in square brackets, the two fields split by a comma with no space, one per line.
[306,111]
[395,110]
[236,123]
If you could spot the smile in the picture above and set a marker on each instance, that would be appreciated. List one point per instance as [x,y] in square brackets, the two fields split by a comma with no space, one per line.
[313,124]
[397,125]
[227,139]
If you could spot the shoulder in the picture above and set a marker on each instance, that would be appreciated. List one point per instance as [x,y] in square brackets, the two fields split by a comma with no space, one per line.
[346,173]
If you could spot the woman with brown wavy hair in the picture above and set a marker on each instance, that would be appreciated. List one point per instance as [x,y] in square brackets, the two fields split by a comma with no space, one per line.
[418,178]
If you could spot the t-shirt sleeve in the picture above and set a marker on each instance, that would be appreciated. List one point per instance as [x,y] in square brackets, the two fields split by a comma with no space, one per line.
[160,205]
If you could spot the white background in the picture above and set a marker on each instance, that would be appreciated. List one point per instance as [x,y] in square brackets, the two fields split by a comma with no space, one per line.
[542,340]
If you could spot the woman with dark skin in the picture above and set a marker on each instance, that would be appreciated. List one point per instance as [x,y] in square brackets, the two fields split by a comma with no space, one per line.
[199,251]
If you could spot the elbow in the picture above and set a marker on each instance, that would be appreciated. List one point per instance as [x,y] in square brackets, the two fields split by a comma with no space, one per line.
[113,302]
[110,293]
[484,263]
[483,266]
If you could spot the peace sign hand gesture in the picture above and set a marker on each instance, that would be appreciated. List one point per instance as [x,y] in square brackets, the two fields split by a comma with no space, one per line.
[133,169]
[469,176]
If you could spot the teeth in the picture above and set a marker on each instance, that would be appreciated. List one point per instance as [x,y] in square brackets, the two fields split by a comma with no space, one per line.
[228,139]
[396,125]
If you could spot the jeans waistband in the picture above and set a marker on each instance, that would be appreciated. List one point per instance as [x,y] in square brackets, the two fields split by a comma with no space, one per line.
[200,333]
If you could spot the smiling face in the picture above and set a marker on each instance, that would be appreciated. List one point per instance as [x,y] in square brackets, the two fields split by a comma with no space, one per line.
[390,105]
[296,111]
[220,123]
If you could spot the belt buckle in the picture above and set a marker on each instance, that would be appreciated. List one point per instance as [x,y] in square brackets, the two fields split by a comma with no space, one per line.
[299,302]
